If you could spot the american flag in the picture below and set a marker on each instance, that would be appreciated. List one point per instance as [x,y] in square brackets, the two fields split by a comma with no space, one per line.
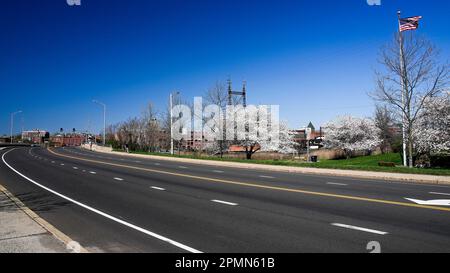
[410,23]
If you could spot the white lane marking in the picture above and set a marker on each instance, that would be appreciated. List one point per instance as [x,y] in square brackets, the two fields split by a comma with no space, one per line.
[360,229]
[122,222]
[266,176]
[75,168]
[217,171]
[158,188]
[118,179]
[62,164]
[440,193]
[337,184]
[53,162]
[92,172]
[225,202]
[157,164]
[84,171]
[182,167]
[137,161]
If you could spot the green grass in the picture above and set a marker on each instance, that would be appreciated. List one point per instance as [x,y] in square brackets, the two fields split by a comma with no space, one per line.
[363,163]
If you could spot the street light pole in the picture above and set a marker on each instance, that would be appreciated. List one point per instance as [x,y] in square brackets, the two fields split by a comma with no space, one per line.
[104,120]
[12,123]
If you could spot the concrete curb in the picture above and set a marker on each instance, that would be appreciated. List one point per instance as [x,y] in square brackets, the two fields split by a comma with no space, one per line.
[418,178]
[57,234]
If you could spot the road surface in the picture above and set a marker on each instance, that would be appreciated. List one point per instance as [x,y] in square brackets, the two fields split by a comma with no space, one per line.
[111,203]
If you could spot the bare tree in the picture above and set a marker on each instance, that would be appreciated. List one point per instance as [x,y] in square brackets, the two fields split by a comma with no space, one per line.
[218,95]
[384,121]
[412,75]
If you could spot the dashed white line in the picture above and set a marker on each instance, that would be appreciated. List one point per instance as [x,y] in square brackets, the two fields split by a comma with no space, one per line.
[118,179]
[92,172]
[115,219]
[360,229]
[157,164]
[217,171]
[440,193]
[62,164]
[266,176]
[75,168]
[158,188]
[225,202]
[337,184]
[182,167]
[53,162]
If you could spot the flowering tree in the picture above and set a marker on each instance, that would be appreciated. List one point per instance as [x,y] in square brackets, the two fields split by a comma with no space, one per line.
[432,132]
[284,143]
[253,129]
[351,134]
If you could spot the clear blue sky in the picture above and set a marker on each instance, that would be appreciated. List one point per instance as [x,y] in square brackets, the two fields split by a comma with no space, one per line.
[313,58]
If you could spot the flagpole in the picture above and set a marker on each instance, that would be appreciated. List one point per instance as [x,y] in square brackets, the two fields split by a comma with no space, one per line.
[402,71]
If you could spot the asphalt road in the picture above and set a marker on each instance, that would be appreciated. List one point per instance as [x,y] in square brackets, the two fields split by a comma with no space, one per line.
[111,203]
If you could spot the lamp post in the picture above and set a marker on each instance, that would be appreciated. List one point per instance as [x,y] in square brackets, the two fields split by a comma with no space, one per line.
[171,121]
[104,119]
[12,123]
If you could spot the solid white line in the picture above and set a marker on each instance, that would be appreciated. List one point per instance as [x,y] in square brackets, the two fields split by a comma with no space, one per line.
[337,184]
[145,231]
[265,176]
[360,229]
[182,167]
[440,193]
[225,202]
[217,171]
[158,188]
[118,179]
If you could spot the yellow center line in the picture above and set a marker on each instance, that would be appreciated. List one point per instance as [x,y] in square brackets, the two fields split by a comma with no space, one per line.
[224,181]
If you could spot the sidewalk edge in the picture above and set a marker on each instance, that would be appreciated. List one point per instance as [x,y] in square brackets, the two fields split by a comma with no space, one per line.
[60,236]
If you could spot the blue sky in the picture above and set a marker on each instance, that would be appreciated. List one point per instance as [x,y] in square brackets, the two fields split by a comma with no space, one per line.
[313,58]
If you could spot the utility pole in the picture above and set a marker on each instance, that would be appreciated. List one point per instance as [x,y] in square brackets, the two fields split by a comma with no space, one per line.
[242,93]
[404,88]
[104,120]
[12,123]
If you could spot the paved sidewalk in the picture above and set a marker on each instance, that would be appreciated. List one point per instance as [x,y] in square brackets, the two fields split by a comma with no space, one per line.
[22,231]
[428,179]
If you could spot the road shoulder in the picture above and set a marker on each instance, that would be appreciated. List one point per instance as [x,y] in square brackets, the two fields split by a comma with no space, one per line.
[23,231]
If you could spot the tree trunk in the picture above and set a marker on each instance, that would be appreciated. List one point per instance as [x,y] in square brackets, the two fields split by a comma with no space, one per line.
[249,155]
[410,151]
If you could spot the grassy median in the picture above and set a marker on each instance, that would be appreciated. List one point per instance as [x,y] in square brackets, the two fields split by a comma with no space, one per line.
[363,163]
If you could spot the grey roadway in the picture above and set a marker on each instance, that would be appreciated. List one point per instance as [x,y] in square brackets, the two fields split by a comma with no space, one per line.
[119,204]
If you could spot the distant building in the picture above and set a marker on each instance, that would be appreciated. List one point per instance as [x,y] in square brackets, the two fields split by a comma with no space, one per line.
[300,136]
[34,136]
[64,140]
[5,139]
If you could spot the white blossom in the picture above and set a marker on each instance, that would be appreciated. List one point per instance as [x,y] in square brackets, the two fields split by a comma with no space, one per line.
[351,134]
[432,131]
